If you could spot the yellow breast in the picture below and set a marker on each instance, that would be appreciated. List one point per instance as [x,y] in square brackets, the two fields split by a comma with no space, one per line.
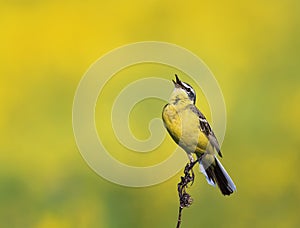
[183,126]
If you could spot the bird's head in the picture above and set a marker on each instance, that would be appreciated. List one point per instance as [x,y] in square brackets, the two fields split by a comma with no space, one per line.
[183,90]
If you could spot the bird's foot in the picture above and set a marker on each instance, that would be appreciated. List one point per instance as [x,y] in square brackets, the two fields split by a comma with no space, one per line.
[189,173]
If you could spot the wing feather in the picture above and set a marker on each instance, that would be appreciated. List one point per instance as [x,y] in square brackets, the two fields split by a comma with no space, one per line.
[206,129]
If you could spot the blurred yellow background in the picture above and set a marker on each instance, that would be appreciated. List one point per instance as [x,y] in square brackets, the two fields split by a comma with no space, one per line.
[253,49]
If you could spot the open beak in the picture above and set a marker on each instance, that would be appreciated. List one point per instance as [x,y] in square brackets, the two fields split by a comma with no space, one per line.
[177,83]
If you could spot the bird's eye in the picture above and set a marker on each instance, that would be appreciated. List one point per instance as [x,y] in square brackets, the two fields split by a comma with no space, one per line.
[188,89]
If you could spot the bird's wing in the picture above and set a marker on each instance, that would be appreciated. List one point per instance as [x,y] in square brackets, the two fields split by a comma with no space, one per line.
[206,129]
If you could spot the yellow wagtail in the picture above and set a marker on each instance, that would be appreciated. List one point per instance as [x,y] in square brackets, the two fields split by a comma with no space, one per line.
[190,130]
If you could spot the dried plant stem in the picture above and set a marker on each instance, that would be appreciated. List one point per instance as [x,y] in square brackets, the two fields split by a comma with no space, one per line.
[179,217]
[185,199]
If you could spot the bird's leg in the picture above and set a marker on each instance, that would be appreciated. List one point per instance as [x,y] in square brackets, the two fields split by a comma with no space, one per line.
[189,168]
[189,173]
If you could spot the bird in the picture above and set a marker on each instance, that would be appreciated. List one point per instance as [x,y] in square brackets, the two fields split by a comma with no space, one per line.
[189,128]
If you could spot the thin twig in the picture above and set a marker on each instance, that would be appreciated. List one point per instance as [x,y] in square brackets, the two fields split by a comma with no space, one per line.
[185,199]
[179,217]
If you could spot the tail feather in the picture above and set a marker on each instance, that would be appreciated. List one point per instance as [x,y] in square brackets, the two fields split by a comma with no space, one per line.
[216,174]
[209,179]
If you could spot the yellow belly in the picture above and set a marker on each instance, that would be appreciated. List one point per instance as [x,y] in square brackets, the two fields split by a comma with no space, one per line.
[183,127]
